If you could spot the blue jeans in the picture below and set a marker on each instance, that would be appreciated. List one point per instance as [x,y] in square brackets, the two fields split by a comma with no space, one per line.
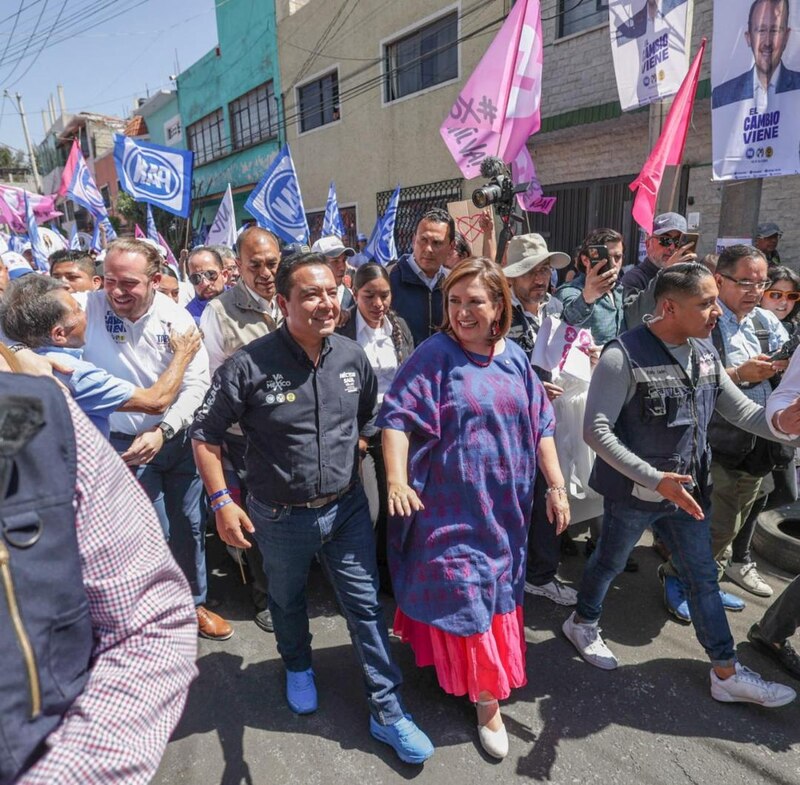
[341,533]
[176,491]
[689,541]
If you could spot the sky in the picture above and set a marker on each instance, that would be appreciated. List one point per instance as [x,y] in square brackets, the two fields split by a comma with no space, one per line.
[105,53]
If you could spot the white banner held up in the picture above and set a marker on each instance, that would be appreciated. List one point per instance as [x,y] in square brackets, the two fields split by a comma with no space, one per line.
[223,230]
[649,44]
[755,97]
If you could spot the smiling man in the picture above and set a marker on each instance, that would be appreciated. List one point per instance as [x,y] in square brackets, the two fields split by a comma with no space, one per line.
[128,328]
[767,35]
[305,400]
[649,407]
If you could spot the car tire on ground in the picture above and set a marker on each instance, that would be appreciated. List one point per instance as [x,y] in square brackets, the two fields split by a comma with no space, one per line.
[777,537]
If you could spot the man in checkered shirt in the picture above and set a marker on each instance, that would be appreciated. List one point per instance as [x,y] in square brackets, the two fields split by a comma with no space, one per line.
[145,631]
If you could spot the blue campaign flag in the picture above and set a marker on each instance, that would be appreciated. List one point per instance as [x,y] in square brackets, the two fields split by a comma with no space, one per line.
[96,244]
[332,224]
[161,176]
[381,246]
[83,190]
[74,240]
[276,202]
[152,232]
[16,242]
[38,248]
[109,227]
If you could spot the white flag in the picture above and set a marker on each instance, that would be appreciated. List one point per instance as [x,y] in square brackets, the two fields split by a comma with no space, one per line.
[223,230]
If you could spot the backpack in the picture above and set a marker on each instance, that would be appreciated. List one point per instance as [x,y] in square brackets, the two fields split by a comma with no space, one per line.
[45,629]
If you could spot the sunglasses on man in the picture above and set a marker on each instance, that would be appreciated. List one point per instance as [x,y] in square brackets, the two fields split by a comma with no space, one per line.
[208,275]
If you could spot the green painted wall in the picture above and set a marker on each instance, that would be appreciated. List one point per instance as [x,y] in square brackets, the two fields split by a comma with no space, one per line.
[155,124]
[247,56]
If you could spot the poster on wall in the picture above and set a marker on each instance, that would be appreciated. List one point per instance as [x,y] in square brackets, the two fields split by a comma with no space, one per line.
[649,44]
[755,95]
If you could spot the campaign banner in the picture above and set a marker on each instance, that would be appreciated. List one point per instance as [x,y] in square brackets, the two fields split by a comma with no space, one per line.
[755,95]
[161,176]
[650,48]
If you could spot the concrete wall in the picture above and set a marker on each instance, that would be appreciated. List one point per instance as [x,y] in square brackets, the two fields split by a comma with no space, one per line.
[374,145]
[245,58]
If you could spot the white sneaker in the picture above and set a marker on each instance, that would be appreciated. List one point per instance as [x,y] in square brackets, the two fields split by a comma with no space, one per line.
[747,686]
[590,645]
[558,592]
[746,575]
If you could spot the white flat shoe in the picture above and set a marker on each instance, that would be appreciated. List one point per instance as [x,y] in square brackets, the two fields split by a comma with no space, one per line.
[494,742]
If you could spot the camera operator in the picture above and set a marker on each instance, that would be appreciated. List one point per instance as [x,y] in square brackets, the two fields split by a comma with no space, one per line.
[593,299]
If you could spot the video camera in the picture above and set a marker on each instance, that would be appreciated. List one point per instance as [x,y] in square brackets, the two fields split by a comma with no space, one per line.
[500,190]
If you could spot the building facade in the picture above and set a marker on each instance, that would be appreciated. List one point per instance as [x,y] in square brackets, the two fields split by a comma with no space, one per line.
[228,107]
[364,94]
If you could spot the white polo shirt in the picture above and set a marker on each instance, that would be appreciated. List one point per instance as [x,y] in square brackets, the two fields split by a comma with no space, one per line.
[139,352]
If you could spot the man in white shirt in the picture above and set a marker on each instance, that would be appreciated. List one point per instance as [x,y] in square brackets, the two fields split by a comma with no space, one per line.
[127,334]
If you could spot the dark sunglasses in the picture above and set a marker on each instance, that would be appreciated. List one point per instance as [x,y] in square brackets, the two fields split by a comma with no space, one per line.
[665,241]
[777,294]
[208,275]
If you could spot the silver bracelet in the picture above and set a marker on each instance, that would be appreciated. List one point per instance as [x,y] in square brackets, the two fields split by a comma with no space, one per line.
[556,489]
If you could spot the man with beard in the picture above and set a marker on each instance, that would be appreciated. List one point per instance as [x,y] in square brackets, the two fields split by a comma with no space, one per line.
[208,276]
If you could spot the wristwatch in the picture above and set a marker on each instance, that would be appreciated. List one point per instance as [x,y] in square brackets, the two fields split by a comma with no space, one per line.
[167,430]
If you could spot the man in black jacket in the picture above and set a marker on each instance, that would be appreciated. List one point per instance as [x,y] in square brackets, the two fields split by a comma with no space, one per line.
[416,279]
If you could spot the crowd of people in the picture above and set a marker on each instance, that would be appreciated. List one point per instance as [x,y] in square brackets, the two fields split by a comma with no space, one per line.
[401,426]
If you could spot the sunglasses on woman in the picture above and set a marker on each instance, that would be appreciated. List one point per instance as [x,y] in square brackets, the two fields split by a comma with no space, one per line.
[777,294]
[208,275]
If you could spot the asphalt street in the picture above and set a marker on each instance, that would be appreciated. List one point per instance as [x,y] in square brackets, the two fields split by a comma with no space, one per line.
[651,721]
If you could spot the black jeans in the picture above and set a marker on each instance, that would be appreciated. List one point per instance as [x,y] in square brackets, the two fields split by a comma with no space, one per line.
[544,545]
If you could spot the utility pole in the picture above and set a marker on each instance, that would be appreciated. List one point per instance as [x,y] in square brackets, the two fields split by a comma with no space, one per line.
[36,178]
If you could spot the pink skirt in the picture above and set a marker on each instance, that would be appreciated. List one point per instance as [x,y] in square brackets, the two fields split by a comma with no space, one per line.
[491,661]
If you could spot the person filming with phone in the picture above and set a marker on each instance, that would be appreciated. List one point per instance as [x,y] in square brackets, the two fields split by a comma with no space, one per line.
[669,243]
[593,299]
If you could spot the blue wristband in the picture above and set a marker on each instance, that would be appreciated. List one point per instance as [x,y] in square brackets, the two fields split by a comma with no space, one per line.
[219,495]
[218,507]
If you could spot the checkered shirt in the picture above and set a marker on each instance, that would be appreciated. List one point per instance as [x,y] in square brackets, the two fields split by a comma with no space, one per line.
[145,631]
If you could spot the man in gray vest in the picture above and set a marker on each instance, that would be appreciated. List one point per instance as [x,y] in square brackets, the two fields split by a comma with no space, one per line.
[247,311]
[650,403]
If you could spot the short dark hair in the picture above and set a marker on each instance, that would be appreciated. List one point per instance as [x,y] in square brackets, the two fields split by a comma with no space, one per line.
[780,273]
[209,249]
[81,259]
[284,277]
[600,237]
[28,310]
[730,257]
[369,272]
[167,270]
[784,3]
[437,215]
[461,246]
[683,278]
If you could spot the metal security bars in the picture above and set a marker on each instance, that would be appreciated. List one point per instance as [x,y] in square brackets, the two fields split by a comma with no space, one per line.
[254,116]
[414,202]
[205,137]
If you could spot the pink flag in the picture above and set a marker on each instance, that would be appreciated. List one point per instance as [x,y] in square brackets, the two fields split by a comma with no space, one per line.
[138,233]
[499,107]
[12,207]
[171,260]
[69,167]
[669,147]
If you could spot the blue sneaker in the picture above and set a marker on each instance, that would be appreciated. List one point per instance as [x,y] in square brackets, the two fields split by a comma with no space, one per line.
[405,738]
[301,692]
[731,602]
[675,597]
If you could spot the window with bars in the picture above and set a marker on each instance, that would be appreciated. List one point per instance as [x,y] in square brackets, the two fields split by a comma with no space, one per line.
[422,59]
[319,102]
[574,16]
[254,116]
[205,137]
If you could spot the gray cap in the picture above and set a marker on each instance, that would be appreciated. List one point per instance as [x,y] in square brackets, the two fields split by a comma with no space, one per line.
[669,222]
[768,230]
[526,251]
